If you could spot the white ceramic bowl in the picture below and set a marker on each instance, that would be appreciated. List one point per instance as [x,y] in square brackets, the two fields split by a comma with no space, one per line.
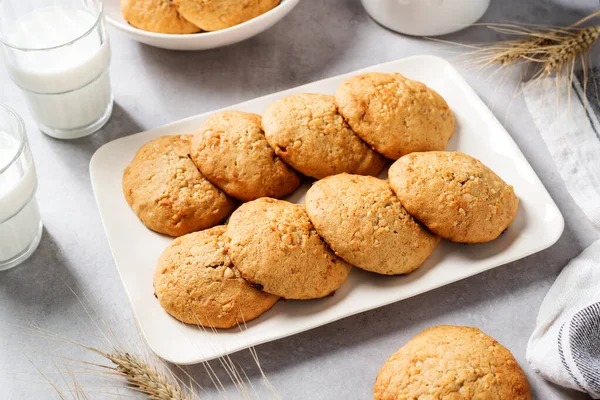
[198,41]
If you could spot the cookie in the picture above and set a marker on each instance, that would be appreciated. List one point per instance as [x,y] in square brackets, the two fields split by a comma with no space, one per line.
[452,362]
[364,223]
[214,15]
[158,16]
[168,193]
[394,114]
[275,246]
[308,133]
[196,283]
[454,195]
[231,151]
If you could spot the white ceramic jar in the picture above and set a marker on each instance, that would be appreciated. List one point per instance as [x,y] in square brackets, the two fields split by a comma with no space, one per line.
[426,17]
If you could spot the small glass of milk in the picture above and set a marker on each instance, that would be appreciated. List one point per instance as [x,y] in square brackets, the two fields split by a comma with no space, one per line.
[57,52]
[20,223]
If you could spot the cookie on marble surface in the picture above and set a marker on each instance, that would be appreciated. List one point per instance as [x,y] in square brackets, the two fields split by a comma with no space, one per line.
[308,133]
[365,224]
[452,362]
[196,283]
[231,151]
[158,16]
[394,114]
[168,193]
[274,245]
[214,15]
[454,195]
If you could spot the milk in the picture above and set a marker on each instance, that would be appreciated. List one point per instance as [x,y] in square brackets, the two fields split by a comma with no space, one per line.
[20,223]
[68,87]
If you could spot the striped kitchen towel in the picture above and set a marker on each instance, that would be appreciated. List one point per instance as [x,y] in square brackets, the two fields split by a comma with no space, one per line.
[569,124]
[565,345]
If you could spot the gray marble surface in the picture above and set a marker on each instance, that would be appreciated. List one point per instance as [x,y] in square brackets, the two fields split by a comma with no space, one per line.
[319,39]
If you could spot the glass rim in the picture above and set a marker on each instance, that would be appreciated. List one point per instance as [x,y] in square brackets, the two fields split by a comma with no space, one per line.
[70,42]
[22,138]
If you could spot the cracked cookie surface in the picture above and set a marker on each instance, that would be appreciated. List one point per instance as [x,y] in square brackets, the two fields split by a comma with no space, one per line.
[158,16]
[364,223]
[196,283]
[274,245]
[308,133]
[394,114]
[452,363]
[214,15]
[455,195]
[231,151]
[168,193]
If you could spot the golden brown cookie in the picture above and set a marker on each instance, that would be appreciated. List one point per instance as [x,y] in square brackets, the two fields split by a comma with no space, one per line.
[213,15]
[196,283]
[158,16]
[308,133]
[452,362]
[364,223]
[394,114]
[168,193]
[454,195]
[231,151]
[274,245]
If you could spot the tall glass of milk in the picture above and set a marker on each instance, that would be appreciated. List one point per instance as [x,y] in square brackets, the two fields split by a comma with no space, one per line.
[57,52]
[20,223]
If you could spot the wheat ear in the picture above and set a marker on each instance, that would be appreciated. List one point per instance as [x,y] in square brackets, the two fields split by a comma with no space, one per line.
[549,50]
[139,369]
[569,48]
[145,378]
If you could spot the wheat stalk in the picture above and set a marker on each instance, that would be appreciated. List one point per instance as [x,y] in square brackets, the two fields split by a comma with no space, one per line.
[149,377]
[567,48]
[146,378]
[142,371]
[543,51]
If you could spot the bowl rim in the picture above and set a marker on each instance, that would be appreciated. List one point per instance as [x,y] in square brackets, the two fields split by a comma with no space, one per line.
[282,7]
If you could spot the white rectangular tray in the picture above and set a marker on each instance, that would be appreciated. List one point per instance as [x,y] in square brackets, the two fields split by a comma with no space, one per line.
[136,249]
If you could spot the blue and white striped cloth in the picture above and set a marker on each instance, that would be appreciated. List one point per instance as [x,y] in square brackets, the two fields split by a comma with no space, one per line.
[565,345]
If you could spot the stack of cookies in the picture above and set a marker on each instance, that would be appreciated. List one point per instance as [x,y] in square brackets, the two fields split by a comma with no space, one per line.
[191,16]
[270,248]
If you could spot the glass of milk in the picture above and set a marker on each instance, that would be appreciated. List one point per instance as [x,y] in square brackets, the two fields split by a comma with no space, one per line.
[57,52]
[20,223]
